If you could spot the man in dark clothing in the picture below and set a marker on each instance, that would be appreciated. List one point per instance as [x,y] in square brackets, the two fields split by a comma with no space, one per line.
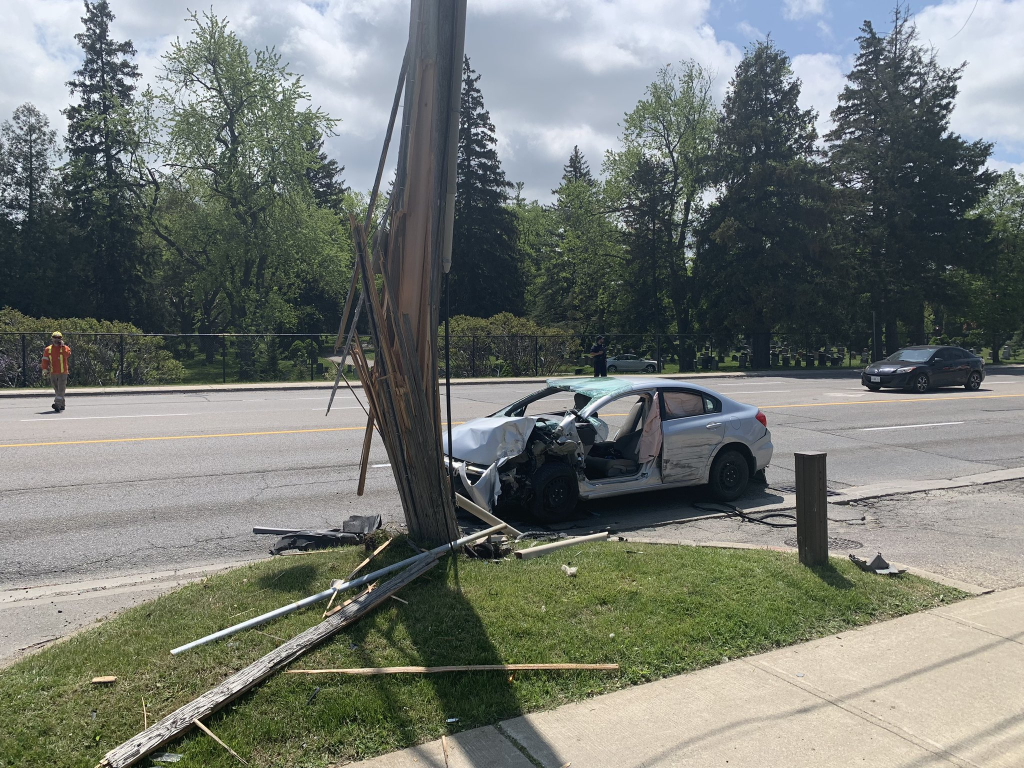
[599,354]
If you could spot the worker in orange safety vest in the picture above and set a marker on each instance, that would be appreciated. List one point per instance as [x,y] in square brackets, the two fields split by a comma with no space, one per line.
[55,362]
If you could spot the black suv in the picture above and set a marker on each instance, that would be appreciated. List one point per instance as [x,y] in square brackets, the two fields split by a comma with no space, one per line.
[920,368]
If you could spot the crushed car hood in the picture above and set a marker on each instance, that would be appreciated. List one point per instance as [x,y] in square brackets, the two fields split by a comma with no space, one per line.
[491,439]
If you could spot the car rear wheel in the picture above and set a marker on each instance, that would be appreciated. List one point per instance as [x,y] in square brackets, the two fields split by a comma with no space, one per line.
[612,369]
[555,492]
[649,369]
[920,383]
[973,381]
[729,476]
[873,387]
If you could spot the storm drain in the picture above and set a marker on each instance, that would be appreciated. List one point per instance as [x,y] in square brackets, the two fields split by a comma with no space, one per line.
[833,543]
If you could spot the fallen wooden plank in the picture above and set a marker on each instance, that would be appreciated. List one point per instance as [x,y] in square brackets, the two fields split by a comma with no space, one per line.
[475,509]
[104,680]
[543,549]
[370,557]
[457,668]
[183,719]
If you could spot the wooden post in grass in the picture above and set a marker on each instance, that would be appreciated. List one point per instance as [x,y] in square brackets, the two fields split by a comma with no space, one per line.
[811,508]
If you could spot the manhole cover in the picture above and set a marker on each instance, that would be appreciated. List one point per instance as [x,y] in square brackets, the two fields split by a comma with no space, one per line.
[833,543]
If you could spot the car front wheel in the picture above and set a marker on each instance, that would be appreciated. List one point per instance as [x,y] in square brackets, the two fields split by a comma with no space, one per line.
[612,369]
[920,383]
[555,492]
[730,475]
[973,381]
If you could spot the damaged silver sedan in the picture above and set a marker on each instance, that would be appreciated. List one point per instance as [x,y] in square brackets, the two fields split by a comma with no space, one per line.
[595,438]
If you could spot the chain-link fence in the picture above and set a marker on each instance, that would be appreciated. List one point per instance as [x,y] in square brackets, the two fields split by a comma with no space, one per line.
[112,359]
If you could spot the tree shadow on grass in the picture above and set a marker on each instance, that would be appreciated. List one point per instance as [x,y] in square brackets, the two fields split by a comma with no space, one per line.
[443,628]
[296,578]
[829,574]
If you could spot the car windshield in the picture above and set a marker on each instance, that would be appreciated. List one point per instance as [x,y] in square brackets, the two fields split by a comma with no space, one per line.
[911,356]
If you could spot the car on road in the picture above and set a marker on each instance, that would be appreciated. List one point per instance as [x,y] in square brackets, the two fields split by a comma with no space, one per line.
[591,438]
[919,369]
[631,364]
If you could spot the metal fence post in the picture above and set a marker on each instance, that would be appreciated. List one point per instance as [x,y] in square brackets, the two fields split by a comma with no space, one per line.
[657,350]
[224,359]
[312,356]
[24,362]
[536,355]
[120,364]
[472,356]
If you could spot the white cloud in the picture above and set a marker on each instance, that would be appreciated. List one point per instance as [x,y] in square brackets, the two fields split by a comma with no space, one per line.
[991,101]
[802,9]
[749,30]
[822,76]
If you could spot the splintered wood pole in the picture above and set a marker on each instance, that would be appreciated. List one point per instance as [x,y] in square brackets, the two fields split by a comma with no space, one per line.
[401,278]
[811,508]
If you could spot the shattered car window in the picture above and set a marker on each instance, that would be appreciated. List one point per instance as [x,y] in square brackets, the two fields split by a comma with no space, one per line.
[591,387]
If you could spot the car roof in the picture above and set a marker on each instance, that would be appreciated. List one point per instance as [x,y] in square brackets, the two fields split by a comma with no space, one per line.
[621,385]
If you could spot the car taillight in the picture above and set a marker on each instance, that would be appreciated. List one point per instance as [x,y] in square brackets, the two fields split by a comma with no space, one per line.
[762,418]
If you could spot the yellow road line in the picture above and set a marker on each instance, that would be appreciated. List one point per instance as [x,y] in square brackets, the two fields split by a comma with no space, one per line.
[347,429]
[901,400]
[187,437]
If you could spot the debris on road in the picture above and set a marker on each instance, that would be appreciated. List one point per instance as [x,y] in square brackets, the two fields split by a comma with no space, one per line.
[352,531]
[877,564]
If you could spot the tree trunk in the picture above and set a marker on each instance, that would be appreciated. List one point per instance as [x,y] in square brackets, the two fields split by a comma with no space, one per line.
[892,336]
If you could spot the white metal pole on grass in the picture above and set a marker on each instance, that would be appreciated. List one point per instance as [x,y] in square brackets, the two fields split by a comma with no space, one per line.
[285,610]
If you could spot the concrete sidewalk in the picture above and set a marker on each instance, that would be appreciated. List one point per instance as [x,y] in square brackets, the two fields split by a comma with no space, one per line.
[940,688]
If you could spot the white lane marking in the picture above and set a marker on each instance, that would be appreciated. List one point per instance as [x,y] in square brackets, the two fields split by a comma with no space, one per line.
[842,394]
[138,416]
[758,391]
[377,466]
[912,426]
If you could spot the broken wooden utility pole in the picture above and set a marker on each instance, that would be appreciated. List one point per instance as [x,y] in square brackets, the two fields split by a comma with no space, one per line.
[399,273]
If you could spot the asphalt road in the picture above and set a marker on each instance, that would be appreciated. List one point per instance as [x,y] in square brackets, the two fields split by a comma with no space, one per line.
[138,483]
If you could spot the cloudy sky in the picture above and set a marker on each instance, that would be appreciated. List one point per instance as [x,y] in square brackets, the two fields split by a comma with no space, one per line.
[554,72]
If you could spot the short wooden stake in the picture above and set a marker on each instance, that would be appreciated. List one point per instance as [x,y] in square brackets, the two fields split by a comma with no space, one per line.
[811,508]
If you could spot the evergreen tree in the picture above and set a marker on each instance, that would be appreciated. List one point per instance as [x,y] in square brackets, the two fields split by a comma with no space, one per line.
[324,177]
[762,253]
[97,183]
[486,276]
[910,181]
[577,169]
[575,269]
[32,226]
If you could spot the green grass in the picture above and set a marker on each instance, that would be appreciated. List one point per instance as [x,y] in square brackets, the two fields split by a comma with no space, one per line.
[655,610]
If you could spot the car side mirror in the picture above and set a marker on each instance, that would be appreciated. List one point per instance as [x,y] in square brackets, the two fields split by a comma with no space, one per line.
[936,359]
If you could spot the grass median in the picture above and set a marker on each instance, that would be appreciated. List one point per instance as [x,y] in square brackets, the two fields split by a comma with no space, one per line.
[656,610]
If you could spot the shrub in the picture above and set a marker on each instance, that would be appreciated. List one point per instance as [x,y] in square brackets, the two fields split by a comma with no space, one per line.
[95,351]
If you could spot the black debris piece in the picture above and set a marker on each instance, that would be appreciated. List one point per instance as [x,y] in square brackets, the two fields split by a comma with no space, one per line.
[352,531]
[877,564]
